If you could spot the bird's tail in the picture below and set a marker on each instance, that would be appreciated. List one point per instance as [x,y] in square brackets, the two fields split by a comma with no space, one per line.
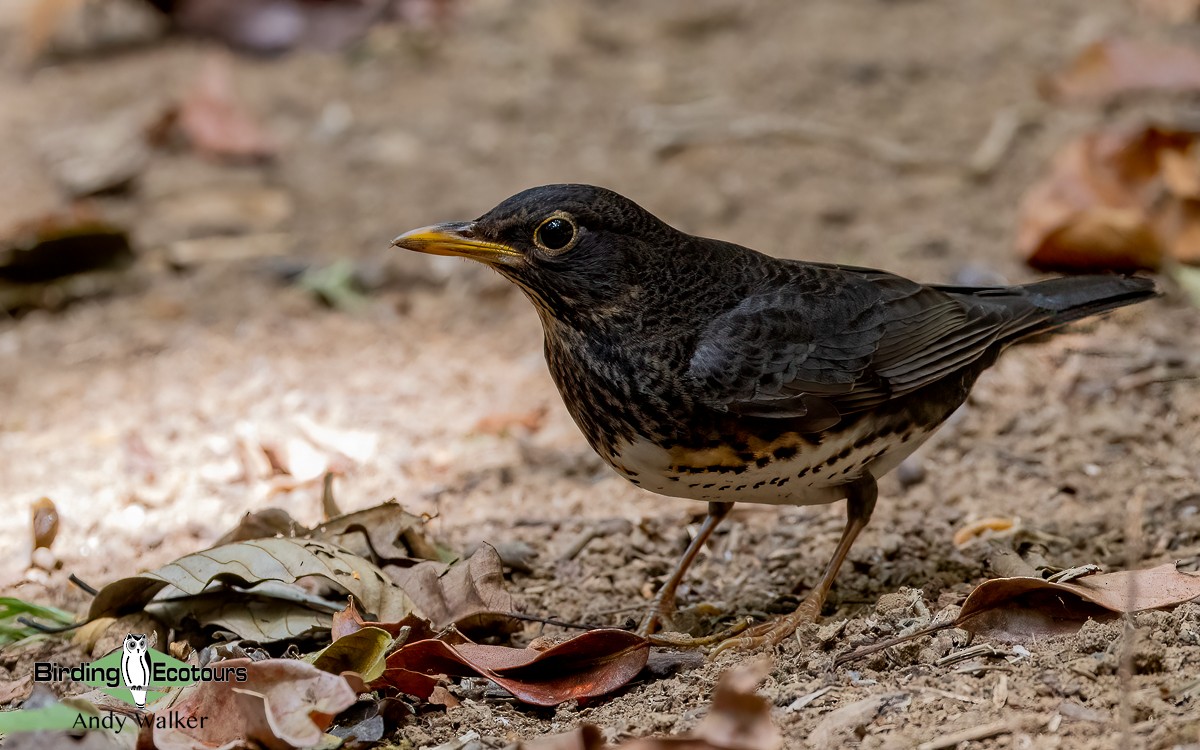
[1046,306]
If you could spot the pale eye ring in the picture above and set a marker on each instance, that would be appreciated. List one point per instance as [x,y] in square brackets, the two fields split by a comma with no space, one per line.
[556,234]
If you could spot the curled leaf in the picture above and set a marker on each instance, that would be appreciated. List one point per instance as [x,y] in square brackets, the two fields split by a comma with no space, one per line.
[469,594]
[588,665]
[362,651]
[1019,607]
[250,562]
[282,704]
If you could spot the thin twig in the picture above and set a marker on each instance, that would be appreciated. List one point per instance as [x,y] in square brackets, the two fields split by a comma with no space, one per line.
[981,732]
[550,621]
[1000,137]
[875,648]
[83,585]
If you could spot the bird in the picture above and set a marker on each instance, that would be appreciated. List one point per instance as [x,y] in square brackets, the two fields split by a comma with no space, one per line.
[702,369]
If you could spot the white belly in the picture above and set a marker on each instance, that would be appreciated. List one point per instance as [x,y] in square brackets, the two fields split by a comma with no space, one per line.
[815,475]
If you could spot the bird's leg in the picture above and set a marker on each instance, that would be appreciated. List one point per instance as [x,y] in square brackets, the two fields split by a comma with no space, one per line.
[860,502]
[664,600]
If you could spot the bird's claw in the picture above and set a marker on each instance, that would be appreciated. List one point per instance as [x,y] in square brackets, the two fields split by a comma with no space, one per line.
[683,640]
[771,633]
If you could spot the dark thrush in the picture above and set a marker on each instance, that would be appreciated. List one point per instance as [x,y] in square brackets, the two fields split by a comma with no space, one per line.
[702,369]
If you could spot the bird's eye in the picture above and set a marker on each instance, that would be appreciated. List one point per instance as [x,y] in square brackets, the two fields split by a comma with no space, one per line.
[555,234]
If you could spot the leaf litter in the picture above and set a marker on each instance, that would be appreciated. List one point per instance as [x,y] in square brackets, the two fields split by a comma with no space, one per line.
[1116,199]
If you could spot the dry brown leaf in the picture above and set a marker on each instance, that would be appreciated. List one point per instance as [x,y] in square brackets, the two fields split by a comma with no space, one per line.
[44,522]
[1180,220]
[349,621]
[1108,202]
[283,704]
[252,562]
[386,533]
[1018,608]
[740,719]
[588,665]
[61,244]
[261,524]
[15,690]
[469,594]
[216,123]
[1111,67]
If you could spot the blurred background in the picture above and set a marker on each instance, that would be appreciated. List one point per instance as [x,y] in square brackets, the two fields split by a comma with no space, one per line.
[200,314]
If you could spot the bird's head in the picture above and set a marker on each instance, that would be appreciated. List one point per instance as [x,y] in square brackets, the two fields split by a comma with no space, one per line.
[571,248]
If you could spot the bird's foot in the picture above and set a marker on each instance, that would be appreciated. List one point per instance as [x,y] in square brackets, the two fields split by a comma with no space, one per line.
[658,617]
[774,632]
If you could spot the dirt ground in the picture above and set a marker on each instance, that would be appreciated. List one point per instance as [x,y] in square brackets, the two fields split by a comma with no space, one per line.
[127,409]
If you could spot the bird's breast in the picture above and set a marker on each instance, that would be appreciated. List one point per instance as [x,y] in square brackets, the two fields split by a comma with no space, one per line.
[788,469]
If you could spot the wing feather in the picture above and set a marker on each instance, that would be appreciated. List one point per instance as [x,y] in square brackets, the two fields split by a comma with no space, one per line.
[845,342]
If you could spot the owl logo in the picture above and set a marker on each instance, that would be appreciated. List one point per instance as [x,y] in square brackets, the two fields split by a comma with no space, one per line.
[135,666]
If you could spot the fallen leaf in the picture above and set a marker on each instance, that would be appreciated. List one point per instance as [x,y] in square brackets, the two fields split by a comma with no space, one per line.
[1018,608]
[216,123]
[588,665]
[252,562]
[1114,200]
[265,613]
[44,522]
[261,524]
[15,690]
[62,244]
[362,651]
[407,681]
[1180,220]
[443,697]
[349,621]
[469,594]
[740,718]
[386,533]
[1111,67]
[283,704]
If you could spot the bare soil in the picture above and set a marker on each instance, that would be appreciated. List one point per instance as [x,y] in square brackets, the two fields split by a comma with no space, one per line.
[127,409]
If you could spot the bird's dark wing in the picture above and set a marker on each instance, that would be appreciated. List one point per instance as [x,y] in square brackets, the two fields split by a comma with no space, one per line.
[837,341]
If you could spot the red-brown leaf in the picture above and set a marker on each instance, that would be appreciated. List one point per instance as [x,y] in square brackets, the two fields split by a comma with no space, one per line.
[216,123]
[586,666]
